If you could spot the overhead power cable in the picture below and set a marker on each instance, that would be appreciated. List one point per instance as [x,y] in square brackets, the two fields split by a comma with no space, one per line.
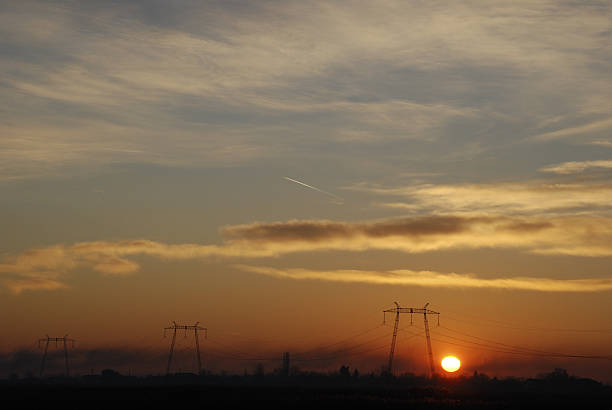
[478,320]
[513,349]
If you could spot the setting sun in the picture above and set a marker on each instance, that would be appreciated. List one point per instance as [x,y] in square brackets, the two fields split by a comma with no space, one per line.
[451,364]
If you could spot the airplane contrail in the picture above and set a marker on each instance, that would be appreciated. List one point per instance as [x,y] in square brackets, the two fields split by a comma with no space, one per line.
[337,199]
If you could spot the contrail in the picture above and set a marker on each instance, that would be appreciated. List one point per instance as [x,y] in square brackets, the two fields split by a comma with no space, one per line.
[337,199]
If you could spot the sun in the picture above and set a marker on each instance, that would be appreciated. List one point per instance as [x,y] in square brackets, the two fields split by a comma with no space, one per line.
[451,364]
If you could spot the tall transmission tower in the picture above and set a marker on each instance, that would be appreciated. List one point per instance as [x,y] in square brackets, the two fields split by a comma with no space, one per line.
[48,340]
[195,329]
[398,310]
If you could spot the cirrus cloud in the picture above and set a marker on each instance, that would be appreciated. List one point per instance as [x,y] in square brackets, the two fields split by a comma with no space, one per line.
[575,167]
[506,197]
[89,84]
[436,279]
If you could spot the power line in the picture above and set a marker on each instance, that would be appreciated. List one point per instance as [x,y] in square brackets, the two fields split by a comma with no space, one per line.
[510,349]
[343,355]
[493,342]
[344,352]
[529,328]
[347,348]
[332,357]
[358,334]
[244,356]
[490,346]
[237,354]
[524,353]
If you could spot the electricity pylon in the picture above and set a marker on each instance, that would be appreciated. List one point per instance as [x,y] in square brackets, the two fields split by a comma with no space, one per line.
[397,310]
[47,340]
[195,329]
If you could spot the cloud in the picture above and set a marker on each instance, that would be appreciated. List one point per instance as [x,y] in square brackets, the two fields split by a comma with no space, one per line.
[26,283]
[116,266]
[503,197]
[91,85]
[595,126]
[123,71]
[45,268]
[309,231]
[575,167]
[436,279]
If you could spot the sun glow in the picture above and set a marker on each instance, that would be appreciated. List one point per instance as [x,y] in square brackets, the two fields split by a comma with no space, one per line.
[451,364]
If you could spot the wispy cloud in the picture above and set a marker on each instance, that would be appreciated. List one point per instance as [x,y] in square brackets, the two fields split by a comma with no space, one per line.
[576,130]
[575,167]
[17,286]
[498,198]
[602,143]
[255,75]
[436,279]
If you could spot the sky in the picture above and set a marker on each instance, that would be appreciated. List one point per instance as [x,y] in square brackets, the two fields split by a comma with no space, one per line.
[283,171]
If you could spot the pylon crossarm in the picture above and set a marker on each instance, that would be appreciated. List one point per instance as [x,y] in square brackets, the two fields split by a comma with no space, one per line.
[414,310]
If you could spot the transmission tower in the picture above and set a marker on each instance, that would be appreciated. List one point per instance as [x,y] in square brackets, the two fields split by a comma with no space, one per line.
[48,340]
[195,329]
[397,310]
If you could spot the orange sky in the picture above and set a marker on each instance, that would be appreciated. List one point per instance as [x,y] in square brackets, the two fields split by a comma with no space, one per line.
[282,172]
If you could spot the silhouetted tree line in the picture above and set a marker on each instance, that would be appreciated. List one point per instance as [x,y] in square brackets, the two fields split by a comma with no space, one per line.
[342,388]
[557,379]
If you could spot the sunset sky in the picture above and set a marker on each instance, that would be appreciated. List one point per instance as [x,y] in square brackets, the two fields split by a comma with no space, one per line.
[282,171]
